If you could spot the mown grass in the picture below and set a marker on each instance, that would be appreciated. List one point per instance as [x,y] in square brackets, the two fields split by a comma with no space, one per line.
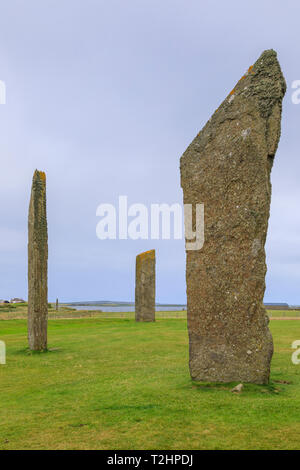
[117,384]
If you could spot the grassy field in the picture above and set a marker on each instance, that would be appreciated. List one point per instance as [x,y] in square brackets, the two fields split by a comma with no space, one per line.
[284,313]
[117,384]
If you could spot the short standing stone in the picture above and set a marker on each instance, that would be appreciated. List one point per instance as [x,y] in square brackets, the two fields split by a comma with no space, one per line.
[145,286]
[37,265]
[227,167]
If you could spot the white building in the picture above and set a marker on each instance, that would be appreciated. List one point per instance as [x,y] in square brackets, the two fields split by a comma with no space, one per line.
[17,301]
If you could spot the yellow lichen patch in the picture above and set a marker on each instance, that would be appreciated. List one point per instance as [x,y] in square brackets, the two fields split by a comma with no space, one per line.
[147,254]
[242,78]
[42,175]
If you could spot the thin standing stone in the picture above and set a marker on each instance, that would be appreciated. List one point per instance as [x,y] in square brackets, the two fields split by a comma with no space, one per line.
[37,265]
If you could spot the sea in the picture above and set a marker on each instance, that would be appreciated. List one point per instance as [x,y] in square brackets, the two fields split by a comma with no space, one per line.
[126,308]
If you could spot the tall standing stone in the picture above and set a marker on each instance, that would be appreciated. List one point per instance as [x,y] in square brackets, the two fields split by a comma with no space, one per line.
[227,168]
[37,265]
[145,286]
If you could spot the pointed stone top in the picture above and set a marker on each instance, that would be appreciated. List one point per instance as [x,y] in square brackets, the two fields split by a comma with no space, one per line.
[263,81]
[258,92]
[268,55]
[41,175]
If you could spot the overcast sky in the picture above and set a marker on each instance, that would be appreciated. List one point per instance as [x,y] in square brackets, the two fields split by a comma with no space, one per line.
[105,96]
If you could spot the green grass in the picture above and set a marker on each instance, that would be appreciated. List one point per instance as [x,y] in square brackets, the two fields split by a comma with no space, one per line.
[117,384]
[283,313]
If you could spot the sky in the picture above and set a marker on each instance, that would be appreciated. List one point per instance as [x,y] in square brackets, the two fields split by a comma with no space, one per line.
[105,96]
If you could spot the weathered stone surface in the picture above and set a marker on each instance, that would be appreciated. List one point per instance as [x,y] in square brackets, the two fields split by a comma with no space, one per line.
[227,167]
[37,265]
[145,286]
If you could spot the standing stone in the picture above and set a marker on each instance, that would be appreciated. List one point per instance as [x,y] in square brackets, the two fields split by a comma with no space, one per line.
[56,305]
[37,265]
[227,168]
[145,286]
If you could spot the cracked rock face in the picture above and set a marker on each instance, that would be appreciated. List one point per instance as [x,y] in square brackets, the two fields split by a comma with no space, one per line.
[37,265]
[145,286]
[227,167]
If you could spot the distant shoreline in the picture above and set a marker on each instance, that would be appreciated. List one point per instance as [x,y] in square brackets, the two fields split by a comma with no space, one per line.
[114,304]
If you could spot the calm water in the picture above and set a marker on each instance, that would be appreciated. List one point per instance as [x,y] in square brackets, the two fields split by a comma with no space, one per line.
[106,308]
